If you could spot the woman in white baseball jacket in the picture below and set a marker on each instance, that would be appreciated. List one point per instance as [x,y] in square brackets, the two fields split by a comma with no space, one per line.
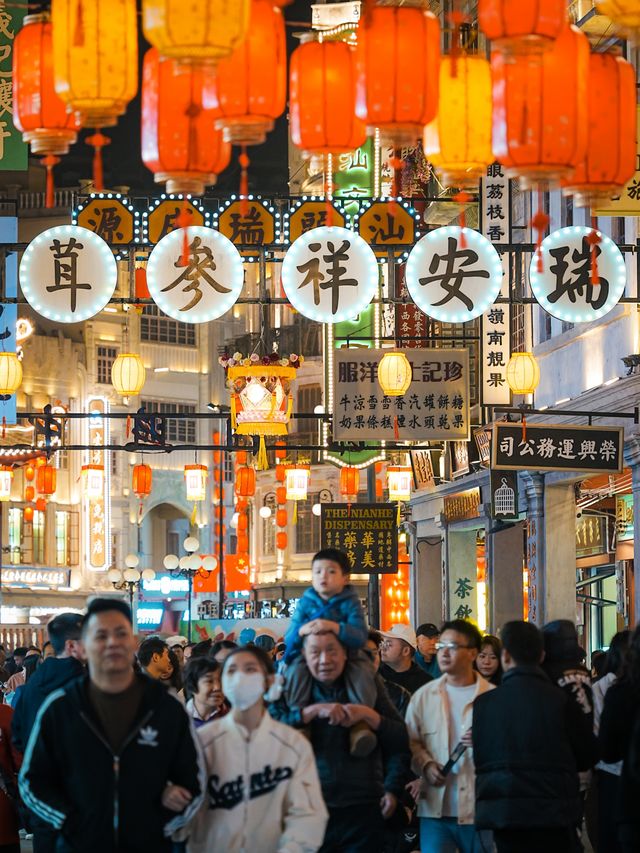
[262,790]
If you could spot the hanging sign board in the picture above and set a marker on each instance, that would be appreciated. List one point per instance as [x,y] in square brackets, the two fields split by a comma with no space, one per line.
[462,506]
[253,226]
[434,408]
[410,321]
[109,218]
[308,215]
[453,279]
[495,209]
[564,287]
[628,202]
[504,495]
[96,516]
[163,218]
[367,533]
[329,274]
[13,151]
[547,447]
[422,465]
[496,352]
[207,287]
[68,274]
[9,312]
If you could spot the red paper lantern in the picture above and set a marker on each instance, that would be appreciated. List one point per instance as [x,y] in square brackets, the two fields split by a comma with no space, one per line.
[243,522]
[28,514]
[245,482]
[29,473]
[281,495]
[180,143]
[540,110]
[281,541]
[406,40]
[326,101]
[29,493]
[41,504]
[142,480]
[281,450]
[46,479]
[242,504]
[241,457]
[281,518]
[349,481]
[528,26]
[611,148]
[242,543]
[281,473]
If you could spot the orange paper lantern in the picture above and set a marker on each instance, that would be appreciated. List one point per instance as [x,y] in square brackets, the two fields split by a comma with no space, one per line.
[611,146]
[29,473]
[245,482]
[349,481]
[241,457]
[528,26]
[281,494]
[281,518]
[28,514]
[406,40]
[46,480]
[281,473]
[281,450]
[180,143]
[243,522]
[540,110]
[29,493]
[326,101]
[242,543]
[281,541]
[141,481]
[41,504]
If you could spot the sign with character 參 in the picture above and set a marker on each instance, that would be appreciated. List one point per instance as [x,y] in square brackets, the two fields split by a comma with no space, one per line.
[367,533]
[434,408]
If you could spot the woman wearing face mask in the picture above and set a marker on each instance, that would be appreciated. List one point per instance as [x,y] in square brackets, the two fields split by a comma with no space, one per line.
[262,788]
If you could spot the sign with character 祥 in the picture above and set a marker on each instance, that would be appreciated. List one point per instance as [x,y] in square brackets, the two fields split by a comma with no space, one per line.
[367,533]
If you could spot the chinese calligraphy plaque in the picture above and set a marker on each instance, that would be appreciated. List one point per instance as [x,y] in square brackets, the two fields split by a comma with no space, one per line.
[203,289]
[254,226]
[312,214]
[367,533]
[387,225]
[109,219]
[163,219]
[96,508]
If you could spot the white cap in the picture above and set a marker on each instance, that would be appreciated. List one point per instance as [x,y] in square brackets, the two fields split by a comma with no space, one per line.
[402,632]
[177,641]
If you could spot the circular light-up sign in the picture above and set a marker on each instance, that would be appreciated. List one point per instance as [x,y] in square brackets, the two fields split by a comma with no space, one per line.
[454,279]
[564,286]
[68,274]
[329,274]
[204,288]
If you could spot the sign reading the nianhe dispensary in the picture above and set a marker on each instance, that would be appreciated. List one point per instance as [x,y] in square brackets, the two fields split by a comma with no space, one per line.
[367,533]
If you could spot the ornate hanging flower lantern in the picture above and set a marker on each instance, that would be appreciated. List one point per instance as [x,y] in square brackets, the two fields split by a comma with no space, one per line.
[394,374]
[46,479]
[93,480]
[611,146]
[195,479]
[141,480]
[10,373]
[399,480]
[261,401]
[349,481]
[38,112]
[407,40]
[527,26]
[128,374]
[6,476]
[202,32]
[523,373]
[458,141]
[180,144]
[245,482]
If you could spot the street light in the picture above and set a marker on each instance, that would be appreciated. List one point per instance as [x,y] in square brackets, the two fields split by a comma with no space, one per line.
[187,567]
[131,577]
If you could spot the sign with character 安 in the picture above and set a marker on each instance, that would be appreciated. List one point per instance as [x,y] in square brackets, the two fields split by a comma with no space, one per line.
[367,533]
[434,408]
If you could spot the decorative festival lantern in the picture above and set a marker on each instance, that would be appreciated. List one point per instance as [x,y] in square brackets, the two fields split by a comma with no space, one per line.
[349,481]
[180,144]
[93,480]
[195,32]
[297,486]
[407,40]
[6,476]
[281,494]
[29,473]
[281,450]
[399,482]
[281,473]
[29,493]
[458,142]
[261,401]
[46,479]
[281,518]
[611,144]
[625,15]
[326,101]
[523,373]
[38,111]
[28,514]
[10,373]
[128,374]
[245,482]
[141,480]
[195,479]
[394,374]
[525,27]
[281,541]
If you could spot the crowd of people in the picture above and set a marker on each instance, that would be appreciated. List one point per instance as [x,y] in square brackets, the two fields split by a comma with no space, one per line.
[342,738]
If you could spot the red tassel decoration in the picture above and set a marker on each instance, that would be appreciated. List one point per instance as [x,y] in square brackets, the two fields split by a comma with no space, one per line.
[539,223]
[98,141]
[457,18]
[183,221]
[593,240]
[396,164]
[328,191]
[78,33]
[244,161]
[49,162]
[524,428]
[128,426]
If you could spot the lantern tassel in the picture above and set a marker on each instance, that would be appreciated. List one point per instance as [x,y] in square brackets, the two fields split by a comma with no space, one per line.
[457,18]
[78,33]
[244,162]
[328,191]
[524,428]
[98,141]
[593,240]
[194,513]
[140,513]
[295,512]
[262,462]
[128,426]
[49,162]
[396,429]
[462,198]
[539,223]
[396,165]
[399,515]
[184,220]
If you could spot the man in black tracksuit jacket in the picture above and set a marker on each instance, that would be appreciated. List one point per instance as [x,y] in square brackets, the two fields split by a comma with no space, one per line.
[112,771]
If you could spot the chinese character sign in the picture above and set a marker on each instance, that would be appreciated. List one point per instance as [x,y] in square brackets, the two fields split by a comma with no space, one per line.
[68,274]
[255,226]
[547,447]
[367,533]
[329,274]
[13,151]
[628,202]
[96,507]
[435,406]
[565,288]
[454,279]
[496,351]
[496,210]
[109,218]
[411,322]
[204,288]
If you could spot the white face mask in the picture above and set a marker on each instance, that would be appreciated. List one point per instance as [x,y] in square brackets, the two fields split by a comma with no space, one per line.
[243,689]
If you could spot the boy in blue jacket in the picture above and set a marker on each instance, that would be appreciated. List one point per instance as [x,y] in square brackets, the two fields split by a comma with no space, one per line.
[332,604]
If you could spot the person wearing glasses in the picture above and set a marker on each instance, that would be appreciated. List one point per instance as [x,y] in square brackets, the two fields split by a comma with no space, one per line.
[439,723]
[397,652]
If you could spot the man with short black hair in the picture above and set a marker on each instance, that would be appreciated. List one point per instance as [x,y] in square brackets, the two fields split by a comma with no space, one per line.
[528,748]
[427,635]
[111,757]
[397,652]
[153,656]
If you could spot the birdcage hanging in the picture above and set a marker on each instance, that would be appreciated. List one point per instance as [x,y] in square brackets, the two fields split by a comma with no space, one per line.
[504,499]
[261,401]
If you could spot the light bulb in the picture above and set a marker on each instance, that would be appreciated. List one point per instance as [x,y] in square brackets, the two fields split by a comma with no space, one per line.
[265,512]
[191,544]
[184,562]
[114,575]
[131,575]
[131,560]
[316,509]
[148,575]
[171,562]
[210,564]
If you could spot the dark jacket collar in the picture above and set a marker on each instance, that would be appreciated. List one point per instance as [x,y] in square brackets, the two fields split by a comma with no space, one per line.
[527,671]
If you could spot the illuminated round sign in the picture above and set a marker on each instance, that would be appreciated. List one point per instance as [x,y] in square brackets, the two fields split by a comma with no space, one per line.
[204,288]
[68,274]
[454,274]
[329,274]
[564,287]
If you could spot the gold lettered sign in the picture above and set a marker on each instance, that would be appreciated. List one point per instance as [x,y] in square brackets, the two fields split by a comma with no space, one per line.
[163,218]
[255,226]
[628,202]
[312,214]
[387,225]
[109,218]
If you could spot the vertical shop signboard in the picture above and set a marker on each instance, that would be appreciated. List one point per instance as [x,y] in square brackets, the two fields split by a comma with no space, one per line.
[97,511]
[367,533]
[13,151]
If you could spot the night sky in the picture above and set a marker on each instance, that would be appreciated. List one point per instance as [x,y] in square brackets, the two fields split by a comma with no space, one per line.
[123,165]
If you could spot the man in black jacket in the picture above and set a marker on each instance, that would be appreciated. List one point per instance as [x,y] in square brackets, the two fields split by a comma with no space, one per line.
[111,763]
[360,793]
[527,750]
